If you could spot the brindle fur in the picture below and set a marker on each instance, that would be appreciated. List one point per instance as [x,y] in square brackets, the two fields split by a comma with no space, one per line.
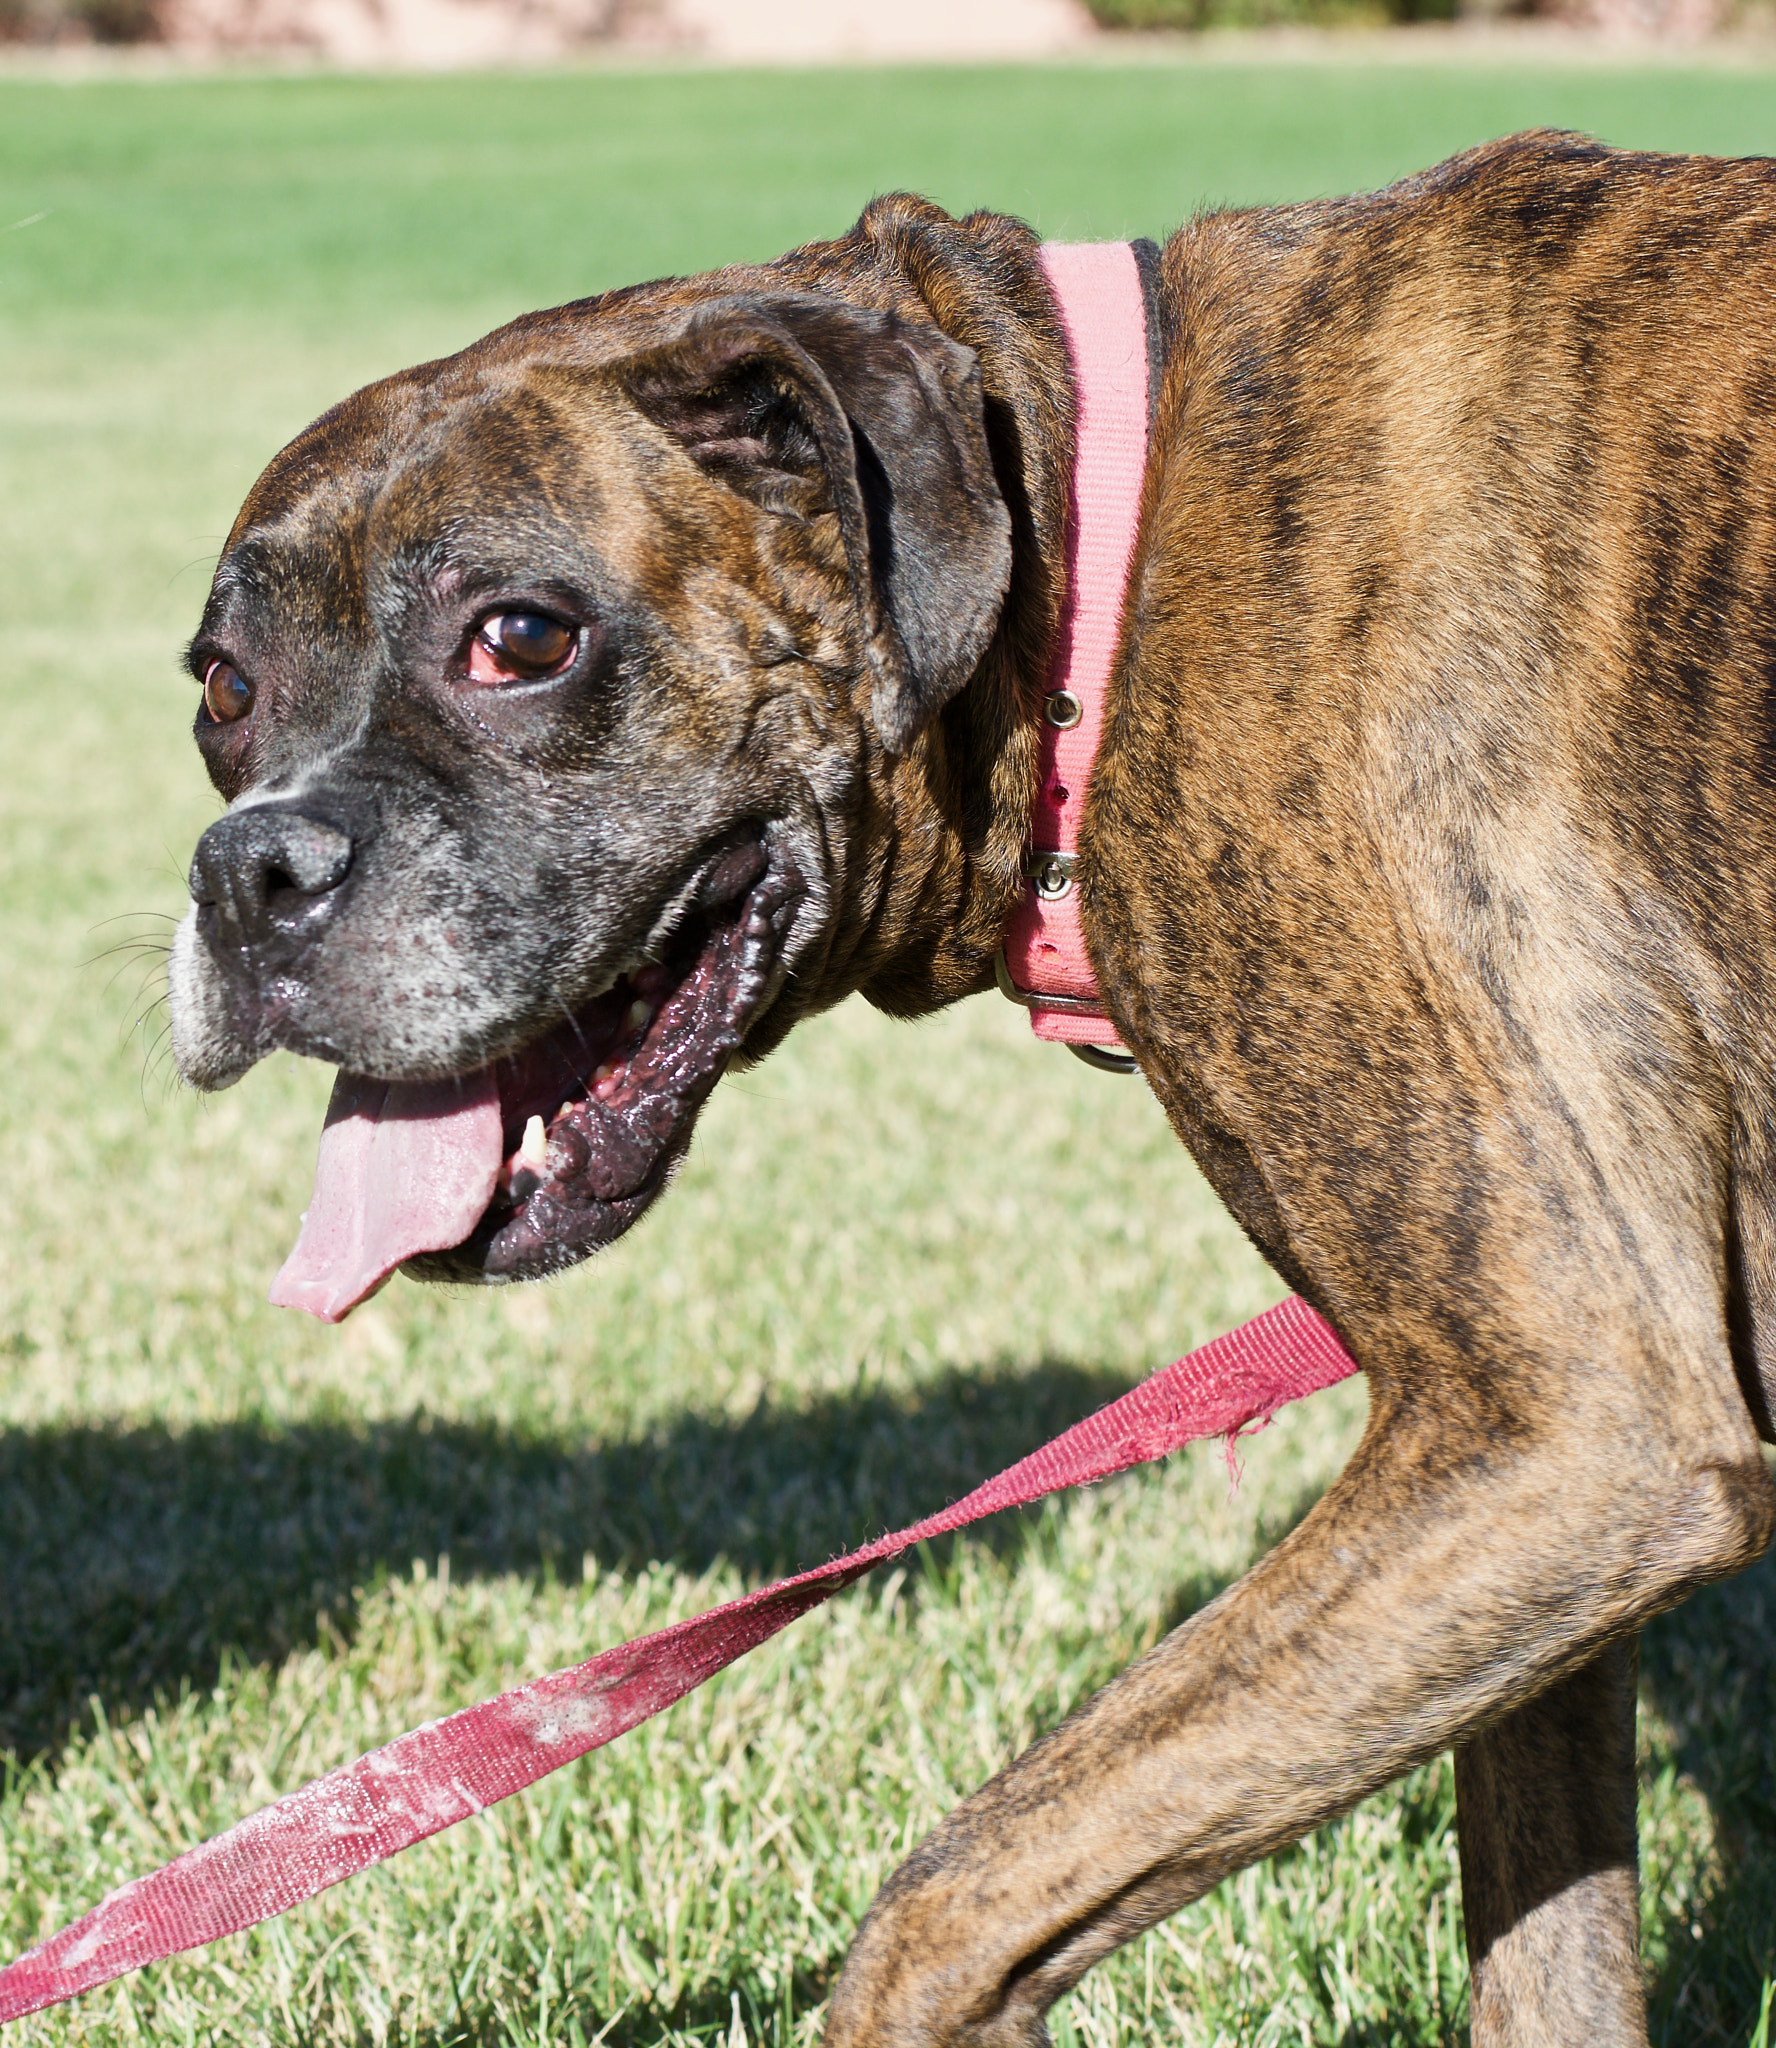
[1428,870]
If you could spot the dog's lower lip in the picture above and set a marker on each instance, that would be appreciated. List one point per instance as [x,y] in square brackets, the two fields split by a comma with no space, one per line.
[616,1091]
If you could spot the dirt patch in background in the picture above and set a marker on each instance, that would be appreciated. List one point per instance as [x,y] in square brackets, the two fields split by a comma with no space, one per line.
[448,35]
[792,31]
[462,34]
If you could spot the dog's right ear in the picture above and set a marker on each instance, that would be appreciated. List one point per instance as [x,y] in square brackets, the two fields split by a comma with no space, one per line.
[803,403]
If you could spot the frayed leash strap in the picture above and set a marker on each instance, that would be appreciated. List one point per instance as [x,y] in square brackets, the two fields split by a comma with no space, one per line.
[441,1773]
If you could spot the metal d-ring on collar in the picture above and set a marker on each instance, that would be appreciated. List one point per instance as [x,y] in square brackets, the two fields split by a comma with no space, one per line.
[1106,1061]
[1099,1056]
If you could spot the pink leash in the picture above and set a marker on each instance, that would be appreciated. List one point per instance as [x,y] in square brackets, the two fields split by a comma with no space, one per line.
[441,1773]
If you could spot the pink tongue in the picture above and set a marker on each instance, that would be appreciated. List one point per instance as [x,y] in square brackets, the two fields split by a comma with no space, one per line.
[404,1167]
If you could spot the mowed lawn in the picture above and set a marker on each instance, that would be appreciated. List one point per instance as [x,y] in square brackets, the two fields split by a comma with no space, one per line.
[237,1549]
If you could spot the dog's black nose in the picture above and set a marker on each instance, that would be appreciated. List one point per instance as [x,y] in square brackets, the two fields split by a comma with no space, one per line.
[269,870]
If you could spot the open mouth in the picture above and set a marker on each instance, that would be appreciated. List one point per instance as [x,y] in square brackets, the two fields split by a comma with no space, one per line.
[529,1164]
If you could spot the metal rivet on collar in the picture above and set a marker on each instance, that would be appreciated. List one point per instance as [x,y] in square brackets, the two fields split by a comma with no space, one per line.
[1050,874]
[1062,708]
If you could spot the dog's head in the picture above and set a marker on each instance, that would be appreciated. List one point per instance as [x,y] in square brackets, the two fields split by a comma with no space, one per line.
[546,685]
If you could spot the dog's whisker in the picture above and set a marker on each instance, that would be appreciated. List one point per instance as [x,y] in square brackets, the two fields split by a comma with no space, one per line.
[146,1006]
[122,958]
[573,1023]
[150,973]
[155,1059]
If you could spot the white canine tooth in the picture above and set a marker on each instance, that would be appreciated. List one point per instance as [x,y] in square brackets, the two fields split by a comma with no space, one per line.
[534,1152]
[637,1015]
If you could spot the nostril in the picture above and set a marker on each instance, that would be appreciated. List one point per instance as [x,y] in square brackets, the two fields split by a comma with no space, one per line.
[301,856]
[268,869]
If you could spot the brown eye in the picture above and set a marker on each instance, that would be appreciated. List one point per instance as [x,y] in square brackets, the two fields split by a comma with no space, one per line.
[527,645]
[227,693]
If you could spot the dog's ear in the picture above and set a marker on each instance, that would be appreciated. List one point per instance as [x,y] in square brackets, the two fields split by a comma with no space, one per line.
[801,402]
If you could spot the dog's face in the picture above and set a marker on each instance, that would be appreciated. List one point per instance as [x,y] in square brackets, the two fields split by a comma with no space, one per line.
[547,685]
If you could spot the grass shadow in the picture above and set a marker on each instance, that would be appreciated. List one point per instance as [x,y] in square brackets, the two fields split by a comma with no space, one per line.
[1710,1669]
[134,1558]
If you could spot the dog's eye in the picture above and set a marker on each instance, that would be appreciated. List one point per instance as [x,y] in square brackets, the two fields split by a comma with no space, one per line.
[522,645]
[227,693]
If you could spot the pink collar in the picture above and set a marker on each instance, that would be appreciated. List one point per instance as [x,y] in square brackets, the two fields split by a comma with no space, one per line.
[1044,964]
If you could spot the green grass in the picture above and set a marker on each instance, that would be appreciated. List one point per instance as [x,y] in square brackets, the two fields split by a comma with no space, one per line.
[236,1549]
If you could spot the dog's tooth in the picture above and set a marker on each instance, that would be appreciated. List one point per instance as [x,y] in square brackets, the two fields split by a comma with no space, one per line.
[637,1014]
[534,1151]
[565,1109]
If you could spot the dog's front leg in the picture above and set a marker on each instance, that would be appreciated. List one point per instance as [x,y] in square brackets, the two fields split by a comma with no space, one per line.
[1550,1885]
[1445,1581]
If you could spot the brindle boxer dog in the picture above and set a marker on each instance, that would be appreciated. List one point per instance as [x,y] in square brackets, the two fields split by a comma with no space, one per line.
[596,703]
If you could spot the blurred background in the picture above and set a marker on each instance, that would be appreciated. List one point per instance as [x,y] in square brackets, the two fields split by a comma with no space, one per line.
[237,1548]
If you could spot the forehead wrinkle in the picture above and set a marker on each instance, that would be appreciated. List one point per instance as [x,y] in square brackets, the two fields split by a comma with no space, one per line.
[436,558]
[464,457]
[514,493]
[299,578]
